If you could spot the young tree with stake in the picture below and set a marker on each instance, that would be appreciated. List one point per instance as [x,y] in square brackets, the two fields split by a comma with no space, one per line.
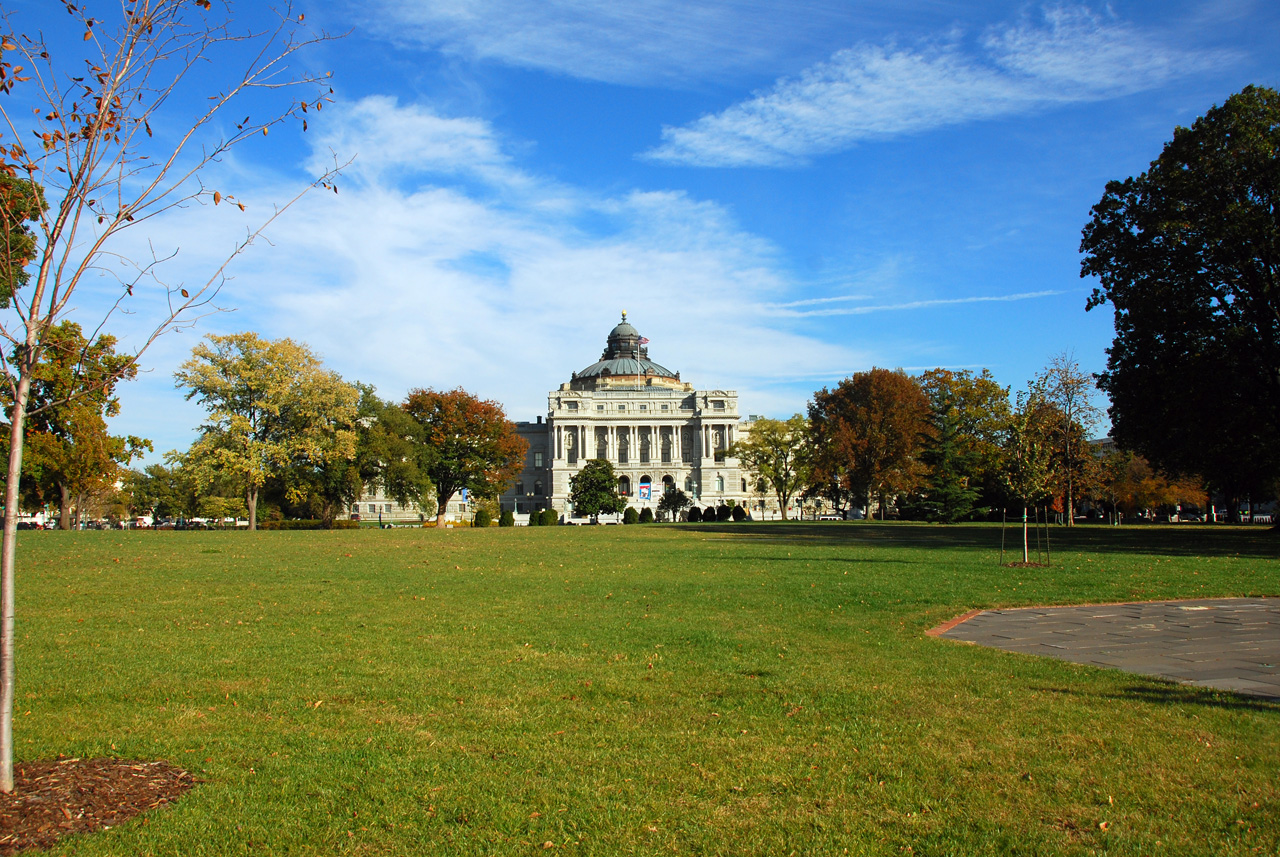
[100,113]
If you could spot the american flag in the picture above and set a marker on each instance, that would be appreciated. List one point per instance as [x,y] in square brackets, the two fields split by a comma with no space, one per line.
[644,341]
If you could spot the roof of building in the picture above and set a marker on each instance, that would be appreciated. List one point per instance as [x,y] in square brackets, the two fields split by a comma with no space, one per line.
[625,354]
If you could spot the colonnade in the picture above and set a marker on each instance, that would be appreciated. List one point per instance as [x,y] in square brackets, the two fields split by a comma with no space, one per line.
[585,440]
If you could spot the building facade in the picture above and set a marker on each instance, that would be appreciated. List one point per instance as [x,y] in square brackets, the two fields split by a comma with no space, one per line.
[657,430]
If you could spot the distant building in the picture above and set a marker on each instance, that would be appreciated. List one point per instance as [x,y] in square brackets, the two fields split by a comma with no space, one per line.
[659,433]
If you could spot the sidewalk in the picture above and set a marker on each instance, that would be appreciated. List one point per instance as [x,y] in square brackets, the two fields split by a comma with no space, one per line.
[1224,643]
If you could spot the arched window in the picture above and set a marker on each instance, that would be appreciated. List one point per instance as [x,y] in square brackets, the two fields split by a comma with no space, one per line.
[646,488]
[668,484]
[720,484]
[688,485]
[624,486]
[537,488]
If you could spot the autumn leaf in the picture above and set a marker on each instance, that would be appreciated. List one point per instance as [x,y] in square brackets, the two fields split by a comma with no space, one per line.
[184,293]
[217,197]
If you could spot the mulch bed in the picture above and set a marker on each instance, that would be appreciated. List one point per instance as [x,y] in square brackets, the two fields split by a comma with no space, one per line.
[53,799]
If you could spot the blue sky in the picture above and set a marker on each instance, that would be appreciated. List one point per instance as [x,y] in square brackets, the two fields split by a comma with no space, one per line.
[780,194]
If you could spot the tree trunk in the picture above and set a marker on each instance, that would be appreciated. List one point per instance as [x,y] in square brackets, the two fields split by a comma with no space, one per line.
[8,564]
[251,500]
[1026,556]
[64,507]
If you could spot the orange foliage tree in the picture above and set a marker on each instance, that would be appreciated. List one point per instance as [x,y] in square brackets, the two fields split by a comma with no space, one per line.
[472,445]
[1133,486]
[871,428]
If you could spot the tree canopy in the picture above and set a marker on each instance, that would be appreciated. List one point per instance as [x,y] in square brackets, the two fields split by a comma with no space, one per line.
[21,203]
[273,410]
[1027,465]
[70,454]
[870,428]
[1068,392]
[1188,256]
[778,452]
[593,490]
[960,449]
[473,446]
[674,502]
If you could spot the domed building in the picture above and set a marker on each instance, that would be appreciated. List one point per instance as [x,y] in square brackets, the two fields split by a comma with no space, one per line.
[659,433]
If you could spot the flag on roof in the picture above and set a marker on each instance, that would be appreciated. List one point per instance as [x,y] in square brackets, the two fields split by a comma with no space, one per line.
[644,341]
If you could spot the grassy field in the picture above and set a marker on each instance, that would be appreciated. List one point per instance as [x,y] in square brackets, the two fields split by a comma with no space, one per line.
[733,689]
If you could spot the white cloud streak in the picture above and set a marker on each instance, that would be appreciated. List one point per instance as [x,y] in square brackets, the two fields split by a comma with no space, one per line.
[638,42]
[786,309]
[881,91]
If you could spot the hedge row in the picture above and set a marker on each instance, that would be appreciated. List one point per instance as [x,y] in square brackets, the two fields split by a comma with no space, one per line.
[309,525]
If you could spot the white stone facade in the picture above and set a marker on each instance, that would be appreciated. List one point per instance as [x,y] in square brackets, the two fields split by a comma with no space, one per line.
[658,432]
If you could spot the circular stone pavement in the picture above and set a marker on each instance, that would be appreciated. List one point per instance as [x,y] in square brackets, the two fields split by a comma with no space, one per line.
[1224,643]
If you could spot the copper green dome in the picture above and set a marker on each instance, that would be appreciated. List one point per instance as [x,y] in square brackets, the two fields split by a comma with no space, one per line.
[626,355]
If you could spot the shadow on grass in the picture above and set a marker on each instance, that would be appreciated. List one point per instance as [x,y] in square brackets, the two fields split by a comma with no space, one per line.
[1159,539]
[1177,694]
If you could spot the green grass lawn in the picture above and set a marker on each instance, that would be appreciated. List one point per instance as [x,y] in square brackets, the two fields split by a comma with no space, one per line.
[728,689]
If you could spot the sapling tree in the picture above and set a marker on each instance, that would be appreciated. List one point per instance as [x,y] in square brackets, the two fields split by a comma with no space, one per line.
[1070,392]
[99,137]
[1027,468]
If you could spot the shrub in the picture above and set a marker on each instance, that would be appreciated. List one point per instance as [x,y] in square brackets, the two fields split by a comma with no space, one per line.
[631,516]
[506,519]
[483,519]
[709,514]
[549,518]
[695,515]
[535,519]
[739,513]
[309,525]
[646,515]
[723,513]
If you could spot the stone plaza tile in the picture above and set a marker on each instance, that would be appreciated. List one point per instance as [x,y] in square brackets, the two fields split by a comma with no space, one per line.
[1228,643]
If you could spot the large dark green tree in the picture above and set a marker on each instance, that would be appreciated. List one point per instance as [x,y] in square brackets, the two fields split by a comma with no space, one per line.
[593,490]
[1188,255]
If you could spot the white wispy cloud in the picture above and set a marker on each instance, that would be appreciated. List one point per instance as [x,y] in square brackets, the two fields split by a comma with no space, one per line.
[636,42]
[787,309]
[460,270]
[879,91]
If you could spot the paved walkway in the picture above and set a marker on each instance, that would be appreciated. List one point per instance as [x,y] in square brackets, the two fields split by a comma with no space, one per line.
[1224,643]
